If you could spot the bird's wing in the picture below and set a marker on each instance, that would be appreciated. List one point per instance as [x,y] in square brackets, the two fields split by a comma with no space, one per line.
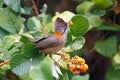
[46,42]
[41,39]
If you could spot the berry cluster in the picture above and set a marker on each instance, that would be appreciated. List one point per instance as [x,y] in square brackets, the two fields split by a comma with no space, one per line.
[77,65]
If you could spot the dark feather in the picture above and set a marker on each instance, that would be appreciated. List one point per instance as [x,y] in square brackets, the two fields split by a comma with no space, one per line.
[40,40]
[50,41]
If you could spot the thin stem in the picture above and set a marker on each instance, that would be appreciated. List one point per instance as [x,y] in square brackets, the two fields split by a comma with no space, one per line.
[5,62]
[35,8]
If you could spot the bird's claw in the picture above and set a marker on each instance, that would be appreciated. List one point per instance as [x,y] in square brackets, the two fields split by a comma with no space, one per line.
[57,64]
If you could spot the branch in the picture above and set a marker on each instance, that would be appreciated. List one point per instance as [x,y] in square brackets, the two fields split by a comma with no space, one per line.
[35,8]
[4,62]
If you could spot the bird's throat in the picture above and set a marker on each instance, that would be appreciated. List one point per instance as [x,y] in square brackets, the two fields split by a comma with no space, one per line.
[58,34]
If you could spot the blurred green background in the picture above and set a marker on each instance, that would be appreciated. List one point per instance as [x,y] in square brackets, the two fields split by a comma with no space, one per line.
[95,36]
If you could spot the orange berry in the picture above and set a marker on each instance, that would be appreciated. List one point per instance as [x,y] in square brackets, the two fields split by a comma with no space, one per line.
[85,68]
[72,67]
[76,56]
[78,66]
[81,60]
[69,63]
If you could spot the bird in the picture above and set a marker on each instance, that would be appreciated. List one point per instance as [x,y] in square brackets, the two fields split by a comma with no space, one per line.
[53,43]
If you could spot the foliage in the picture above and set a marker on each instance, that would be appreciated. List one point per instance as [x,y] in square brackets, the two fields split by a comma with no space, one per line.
[30,64]
[106,48]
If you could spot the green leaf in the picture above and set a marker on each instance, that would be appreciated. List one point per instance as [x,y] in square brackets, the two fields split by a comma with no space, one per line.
[10,53]
[1,3]
[69,39]
[7,46]
[103,3]
[77,43]
[3,33]
[20,65]
[80,25]
[109,27]
[25,77]
[1,77]
[42,73]
[66,76]
[37,59]
[117,58]
[79,77]
[3,51]
[22,68]
[99,12]
[13,50]
[29,50]
[44,8]
[46,70]
[113,74]
[107,47]
[13,4]
[33,23]
[84,7]
[17,60]
[58,70]
[35,74]
[54,72]
[1,55]
[95,20]
[116,61]
[19,44]
[44,19]
[8,42]
[26,10]
[25,38]
[10,21]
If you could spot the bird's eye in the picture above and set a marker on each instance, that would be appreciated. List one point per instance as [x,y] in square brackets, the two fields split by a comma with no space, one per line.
[64,25]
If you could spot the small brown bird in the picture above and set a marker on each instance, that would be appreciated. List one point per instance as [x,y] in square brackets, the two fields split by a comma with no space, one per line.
[56,41]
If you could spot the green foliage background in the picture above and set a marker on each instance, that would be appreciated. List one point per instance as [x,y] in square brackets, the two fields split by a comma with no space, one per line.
[30,64]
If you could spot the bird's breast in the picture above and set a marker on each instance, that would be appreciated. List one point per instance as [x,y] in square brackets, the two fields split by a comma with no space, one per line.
[52,50]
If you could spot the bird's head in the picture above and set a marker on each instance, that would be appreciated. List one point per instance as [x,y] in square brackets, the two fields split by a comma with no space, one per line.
[61,26]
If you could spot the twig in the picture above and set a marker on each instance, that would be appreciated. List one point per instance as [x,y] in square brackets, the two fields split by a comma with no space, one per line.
[34,7]
[104,36]
[92,50]
[115,3]
[5,62]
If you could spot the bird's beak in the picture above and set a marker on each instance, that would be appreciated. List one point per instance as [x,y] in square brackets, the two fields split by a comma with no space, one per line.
[70,22]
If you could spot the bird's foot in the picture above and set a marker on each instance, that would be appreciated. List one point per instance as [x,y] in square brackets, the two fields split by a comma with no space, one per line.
[56,63]
[63,55]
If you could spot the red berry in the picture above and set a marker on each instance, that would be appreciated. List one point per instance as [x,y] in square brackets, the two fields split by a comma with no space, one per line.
[76,72]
